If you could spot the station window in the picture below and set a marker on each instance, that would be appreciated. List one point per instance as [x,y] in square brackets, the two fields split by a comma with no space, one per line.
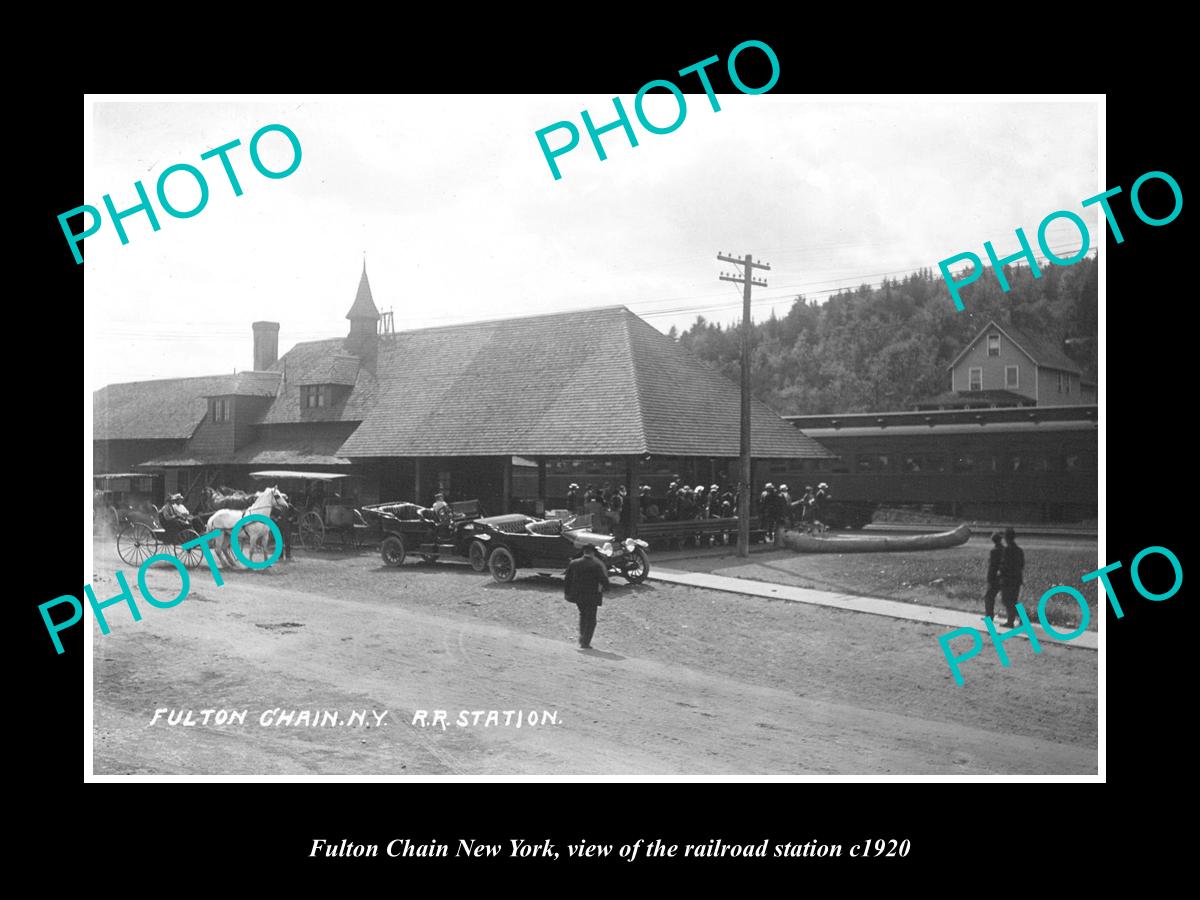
[1060,382]
[314,396]
[993,345]
[975,379]
[1067,379]
[1012,376]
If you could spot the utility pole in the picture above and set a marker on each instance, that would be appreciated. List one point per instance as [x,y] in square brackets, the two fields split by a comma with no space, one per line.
[746,280]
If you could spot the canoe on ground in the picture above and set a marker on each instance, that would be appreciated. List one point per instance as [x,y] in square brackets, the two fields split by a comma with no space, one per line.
[808,543]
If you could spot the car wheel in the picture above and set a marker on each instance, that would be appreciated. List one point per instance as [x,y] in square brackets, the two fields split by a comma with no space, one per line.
[638,567]
[478,555]
[503,565]
[392,551]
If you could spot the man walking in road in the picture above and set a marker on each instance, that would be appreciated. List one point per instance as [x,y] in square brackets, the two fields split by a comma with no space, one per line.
[586,579]
[1012,573]
[993,575]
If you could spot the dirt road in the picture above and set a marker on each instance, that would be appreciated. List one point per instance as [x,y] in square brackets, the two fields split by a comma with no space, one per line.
[682,681]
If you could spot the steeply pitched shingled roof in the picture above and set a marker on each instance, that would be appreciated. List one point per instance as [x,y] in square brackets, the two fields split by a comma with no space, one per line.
[320,362]
[590,383]
[167,408]
[1043,352]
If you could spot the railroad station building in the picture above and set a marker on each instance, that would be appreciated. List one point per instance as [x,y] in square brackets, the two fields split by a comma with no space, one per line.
[508,412]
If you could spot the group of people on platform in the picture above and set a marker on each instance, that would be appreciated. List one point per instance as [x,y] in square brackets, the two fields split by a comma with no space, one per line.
[808,513]
[683,502]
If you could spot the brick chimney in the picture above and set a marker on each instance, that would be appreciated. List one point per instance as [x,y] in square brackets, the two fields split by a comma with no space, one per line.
[266,345]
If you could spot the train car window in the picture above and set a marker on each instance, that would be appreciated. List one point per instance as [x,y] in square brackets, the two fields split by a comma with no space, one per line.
[1071,463]
[912,464]
[935,462]
[964,463]
[1041,464]
[873,462]
[1014,463]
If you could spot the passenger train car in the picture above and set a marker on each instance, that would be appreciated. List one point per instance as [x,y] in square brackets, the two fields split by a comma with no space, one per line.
[1024,464]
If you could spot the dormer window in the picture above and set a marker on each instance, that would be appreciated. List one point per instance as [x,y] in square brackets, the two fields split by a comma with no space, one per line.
[220,409]
[993,345]
[314,396]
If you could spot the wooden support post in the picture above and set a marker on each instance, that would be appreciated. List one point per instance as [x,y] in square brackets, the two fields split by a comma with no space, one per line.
[543,504]
[506,500]
[632,498]
[417,482]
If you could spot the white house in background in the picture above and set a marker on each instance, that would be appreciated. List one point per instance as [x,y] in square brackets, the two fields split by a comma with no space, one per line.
[1004,366]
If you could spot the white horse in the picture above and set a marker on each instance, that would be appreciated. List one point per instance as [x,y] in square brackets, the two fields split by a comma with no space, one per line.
[254,533]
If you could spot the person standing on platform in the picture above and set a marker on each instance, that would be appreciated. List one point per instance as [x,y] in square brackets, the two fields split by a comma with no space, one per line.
[783,505]
[766,509]
[573,497]
[712,509]
[820,507]
[586,581]
[1012,574]
[645,502]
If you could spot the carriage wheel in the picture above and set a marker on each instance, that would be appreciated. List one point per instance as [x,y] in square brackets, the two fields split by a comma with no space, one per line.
[392,551]
[192,556]
[477,554]
[136,544]
[312,531]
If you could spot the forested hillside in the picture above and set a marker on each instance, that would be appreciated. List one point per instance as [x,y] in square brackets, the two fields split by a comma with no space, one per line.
[887,347]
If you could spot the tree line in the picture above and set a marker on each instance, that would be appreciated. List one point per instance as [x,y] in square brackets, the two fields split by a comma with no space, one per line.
[874,349]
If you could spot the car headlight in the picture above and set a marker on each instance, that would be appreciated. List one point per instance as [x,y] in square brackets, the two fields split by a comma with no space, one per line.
[629,544]
[606,549]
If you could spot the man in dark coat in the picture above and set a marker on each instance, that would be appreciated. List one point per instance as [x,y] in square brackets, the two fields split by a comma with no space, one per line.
[820,506]
[1012,574]
[586,579]
[573,497]
[993,575]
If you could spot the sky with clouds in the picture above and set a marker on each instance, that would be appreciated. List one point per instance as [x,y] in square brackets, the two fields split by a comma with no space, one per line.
[460,218]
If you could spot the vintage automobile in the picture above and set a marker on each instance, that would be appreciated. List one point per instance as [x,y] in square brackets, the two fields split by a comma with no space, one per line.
[504,544]
[404,528]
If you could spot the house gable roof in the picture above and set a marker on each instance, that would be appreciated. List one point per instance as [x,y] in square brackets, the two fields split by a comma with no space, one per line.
[1041,352]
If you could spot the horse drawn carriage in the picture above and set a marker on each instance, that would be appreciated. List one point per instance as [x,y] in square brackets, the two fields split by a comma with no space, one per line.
[120,498]
[137,541]
[322,508]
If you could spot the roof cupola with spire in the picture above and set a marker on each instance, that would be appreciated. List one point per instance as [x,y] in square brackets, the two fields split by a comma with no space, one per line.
[364,318]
